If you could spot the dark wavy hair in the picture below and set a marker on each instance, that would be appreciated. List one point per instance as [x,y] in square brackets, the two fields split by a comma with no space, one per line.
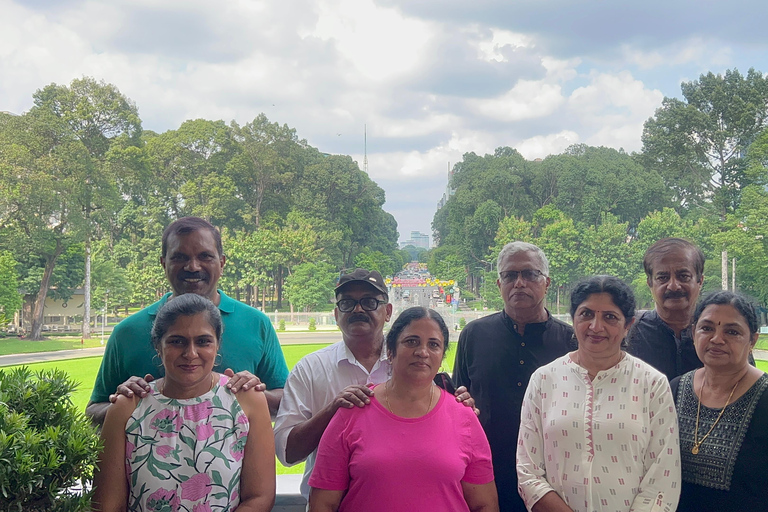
[188,304]
[620,292]
[186,225]
[409,315]
[743,305]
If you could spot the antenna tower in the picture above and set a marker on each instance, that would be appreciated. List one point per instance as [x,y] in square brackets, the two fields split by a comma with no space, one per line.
[365,148]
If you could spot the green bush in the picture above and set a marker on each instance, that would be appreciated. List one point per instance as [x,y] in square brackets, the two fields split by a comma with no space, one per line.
[281,325]
[47,447]
[462,322]
[312,324]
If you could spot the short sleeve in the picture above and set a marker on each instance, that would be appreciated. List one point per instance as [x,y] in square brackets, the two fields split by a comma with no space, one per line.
[108,377]
[272,369]
[480,468]
[295,408]
[331,471]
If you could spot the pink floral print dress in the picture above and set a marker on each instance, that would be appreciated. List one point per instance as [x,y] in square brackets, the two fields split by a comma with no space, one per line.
[186,455]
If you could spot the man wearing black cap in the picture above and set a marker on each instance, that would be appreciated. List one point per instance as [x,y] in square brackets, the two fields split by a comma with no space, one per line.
[338,375]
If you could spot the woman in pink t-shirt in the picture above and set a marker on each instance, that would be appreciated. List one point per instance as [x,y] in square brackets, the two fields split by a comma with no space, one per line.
[415,447]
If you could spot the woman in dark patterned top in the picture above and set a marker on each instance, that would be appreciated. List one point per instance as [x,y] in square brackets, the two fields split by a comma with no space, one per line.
[723,411]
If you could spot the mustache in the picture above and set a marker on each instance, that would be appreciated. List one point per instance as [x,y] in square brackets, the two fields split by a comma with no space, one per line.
[193,275]
[675,295]
[358,318]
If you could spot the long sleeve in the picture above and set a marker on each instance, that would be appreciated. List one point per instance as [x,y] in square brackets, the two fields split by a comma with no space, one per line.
[460,372]
[660,486]
[531,473]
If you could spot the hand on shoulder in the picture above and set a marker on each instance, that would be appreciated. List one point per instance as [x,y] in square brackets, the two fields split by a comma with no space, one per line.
[251,400]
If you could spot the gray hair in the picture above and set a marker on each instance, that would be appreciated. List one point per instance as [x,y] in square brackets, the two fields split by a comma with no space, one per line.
[513,248]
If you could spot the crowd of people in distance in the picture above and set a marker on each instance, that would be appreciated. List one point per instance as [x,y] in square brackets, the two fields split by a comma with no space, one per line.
[627,411]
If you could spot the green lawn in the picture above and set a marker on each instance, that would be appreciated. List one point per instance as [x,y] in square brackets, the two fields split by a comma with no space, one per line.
[762,342]
[14,345]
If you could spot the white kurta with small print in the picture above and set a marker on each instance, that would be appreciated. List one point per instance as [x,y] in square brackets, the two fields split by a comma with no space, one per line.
[605,445]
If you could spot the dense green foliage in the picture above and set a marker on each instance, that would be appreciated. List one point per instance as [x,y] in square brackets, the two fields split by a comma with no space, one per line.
[47,446]
[594,210]
[88,191]
[10,298]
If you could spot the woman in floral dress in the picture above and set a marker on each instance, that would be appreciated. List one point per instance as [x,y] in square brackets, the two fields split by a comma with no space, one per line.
[191,445]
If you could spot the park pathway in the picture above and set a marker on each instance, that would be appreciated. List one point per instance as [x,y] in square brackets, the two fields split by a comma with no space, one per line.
[286,338]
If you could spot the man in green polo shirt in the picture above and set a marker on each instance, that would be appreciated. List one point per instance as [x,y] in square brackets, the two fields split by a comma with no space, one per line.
[193,259]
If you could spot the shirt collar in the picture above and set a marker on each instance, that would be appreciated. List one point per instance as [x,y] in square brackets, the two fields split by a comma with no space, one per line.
[343,353]
[544,325]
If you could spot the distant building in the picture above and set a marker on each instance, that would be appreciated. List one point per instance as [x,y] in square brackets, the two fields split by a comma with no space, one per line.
[418,239]
[448,191]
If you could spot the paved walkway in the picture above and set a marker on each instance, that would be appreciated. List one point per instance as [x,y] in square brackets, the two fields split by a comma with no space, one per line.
[286,338]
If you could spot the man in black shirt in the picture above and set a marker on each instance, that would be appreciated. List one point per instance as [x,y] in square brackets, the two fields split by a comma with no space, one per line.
[662,337]
[497,355]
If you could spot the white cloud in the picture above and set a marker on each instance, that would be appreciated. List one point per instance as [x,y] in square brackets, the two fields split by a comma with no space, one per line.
[543,145]
[615,106]
[527,99]
[380,43]
[429,87]
[495,48]
[704,52]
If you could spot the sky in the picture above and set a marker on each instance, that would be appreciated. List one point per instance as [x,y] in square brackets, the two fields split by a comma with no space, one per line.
[427,80]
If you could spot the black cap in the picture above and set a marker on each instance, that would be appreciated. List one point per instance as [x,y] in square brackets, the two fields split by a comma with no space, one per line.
[360,275]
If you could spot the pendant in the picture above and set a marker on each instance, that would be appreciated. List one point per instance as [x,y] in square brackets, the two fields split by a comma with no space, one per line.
[695,449]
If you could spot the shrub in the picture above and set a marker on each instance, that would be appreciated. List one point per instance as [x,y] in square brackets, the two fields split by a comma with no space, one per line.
[47,447]
[281,325]
[462,322]
[312,324]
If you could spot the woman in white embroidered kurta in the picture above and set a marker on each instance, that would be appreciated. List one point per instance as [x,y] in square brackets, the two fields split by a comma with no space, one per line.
[599,427]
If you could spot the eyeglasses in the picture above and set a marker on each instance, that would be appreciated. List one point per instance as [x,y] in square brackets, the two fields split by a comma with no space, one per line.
[367,303]
[510,276]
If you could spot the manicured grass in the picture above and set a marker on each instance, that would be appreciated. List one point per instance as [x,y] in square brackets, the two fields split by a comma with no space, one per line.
[14,345]
[762,342]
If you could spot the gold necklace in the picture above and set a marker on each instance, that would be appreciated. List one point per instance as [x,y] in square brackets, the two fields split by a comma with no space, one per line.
[696,441]
[162,384]
[386,397]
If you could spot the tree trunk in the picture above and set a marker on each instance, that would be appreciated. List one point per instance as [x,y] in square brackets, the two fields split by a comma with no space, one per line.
[264,297]
[87,290]
[279,286]
[42,293]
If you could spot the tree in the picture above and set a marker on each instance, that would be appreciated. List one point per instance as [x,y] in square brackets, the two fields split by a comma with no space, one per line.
[96,113]
[336,192]
[41,169]
[560,240]
[310,285]
[269,159]
[10,298]
[698,144]
[595,181]
[376,260]
[605,249]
